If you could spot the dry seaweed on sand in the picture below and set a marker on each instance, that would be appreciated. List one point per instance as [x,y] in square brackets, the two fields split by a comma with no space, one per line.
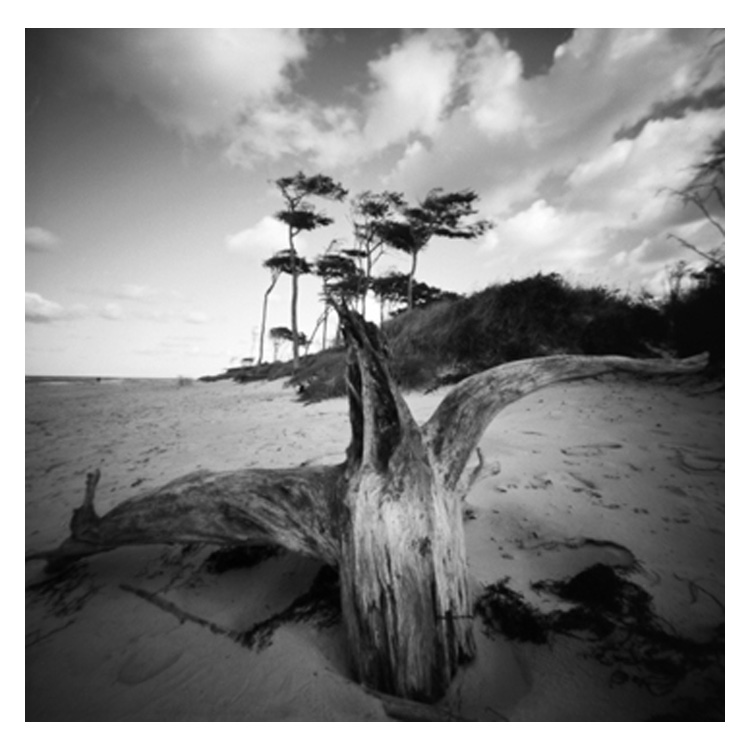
[238,556]
[618,614]
[66,592]
[507,612]
[320,603]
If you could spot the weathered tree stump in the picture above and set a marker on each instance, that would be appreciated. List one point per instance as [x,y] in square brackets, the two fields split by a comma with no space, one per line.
[389,517]
[404,586]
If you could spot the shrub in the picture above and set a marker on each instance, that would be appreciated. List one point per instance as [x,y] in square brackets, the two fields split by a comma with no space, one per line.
[541,315]
[698,315]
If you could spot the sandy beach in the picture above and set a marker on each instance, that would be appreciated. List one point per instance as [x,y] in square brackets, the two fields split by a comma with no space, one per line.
[615,470]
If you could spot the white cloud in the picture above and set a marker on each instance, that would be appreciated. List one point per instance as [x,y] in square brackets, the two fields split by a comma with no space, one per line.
[467,96]
[41,310]
[329,136]
[193,80]
[196,317]
[612,215]
[40,240]
[627,176]
[415,152]
[112,311]
[413,85]
[263,239]
[494,76]
[543,238]
[551,123]
[647,264]
[538,227]
[136,292]
[564,193]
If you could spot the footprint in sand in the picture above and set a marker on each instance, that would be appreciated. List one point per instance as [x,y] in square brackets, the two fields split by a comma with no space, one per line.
[145,665]
[673,489]
[695,462]
[587,483]
[593,449]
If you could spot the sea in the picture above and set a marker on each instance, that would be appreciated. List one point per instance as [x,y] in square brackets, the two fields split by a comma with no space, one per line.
[42,380]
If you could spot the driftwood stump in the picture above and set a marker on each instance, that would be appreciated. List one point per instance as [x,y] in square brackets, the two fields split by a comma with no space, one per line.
[389,517]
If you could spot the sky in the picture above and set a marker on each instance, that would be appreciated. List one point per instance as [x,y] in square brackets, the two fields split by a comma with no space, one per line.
[151,156]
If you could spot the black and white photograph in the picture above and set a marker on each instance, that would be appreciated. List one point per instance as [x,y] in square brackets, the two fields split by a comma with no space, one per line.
[374,374]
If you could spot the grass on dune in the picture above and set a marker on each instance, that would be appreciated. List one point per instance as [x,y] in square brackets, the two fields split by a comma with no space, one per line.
[537,316]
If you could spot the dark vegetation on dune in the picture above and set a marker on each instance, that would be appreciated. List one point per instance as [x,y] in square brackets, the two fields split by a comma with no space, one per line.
[445,341]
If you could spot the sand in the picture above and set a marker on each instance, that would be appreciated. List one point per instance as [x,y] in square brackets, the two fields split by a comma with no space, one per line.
[615,470]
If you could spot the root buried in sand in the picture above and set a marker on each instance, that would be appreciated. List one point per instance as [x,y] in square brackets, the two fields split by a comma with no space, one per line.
[320,603]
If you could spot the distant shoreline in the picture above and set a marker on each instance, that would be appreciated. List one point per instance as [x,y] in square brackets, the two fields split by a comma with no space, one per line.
[86,379]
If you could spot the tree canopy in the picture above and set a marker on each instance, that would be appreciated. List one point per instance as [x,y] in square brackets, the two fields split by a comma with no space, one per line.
[439,214]
[380,220]
[300,215]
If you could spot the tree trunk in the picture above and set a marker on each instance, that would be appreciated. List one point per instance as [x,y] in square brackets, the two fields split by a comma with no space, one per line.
[389,516]
[318,323]
[274,279]
[368,277]
[404,586]
[410,287]
[295,293]
[325,326]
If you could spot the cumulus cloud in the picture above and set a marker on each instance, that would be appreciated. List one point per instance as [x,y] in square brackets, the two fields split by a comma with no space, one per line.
[263,239]
[603,80]
[328,135]
[411,87]
[193,80]
[627,178]
[509,138]
[39,240]
[575,166]
[41,310]
[494,74]
[543,238]
[612,212]
[460,93]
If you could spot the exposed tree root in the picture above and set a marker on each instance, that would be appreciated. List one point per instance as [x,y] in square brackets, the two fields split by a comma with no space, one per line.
[182,615]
